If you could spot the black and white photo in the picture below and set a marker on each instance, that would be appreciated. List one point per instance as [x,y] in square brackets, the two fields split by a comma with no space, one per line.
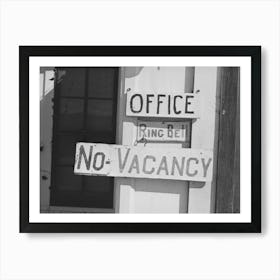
[152,139]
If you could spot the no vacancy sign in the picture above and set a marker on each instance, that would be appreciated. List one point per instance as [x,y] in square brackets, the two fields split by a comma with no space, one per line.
[143,162]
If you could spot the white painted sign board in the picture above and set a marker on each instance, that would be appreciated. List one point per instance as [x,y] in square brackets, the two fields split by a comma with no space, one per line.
[143,162]
[163,131]
[166,105]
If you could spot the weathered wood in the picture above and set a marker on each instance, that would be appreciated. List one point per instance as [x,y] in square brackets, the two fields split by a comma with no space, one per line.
[227,184]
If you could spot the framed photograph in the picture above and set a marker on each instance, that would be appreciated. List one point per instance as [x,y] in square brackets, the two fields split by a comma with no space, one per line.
[140,139]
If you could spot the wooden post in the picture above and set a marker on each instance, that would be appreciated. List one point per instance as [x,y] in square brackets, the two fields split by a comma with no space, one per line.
[228,155]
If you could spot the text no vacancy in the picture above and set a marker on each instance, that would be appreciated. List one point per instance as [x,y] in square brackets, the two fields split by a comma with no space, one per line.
[143,162]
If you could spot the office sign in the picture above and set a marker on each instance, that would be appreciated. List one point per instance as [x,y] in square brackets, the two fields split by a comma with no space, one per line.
[163,131]
[166,105]
[143,162]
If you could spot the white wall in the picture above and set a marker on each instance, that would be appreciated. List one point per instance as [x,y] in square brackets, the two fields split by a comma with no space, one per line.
[138,256]
[166,196]
[149,195]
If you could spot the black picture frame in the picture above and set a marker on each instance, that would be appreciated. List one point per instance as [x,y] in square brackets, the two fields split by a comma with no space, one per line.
[25,52]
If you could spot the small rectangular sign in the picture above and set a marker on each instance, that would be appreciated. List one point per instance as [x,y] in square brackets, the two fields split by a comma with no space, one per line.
[166,105]
[163,131]
[143,162]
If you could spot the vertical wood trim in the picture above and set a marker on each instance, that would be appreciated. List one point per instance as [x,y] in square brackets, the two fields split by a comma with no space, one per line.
[56,104]
[236,178]
[189,87]
[203,134]
[216,143]
[119,128]
[227,183]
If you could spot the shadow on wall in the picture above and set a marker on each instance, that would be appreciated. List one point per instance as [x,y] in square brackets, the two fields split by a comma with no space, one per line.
[131,72]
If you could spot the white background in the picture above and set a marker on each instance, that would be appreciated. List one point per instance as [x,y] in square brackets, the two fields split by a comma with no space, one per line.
[139,256]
